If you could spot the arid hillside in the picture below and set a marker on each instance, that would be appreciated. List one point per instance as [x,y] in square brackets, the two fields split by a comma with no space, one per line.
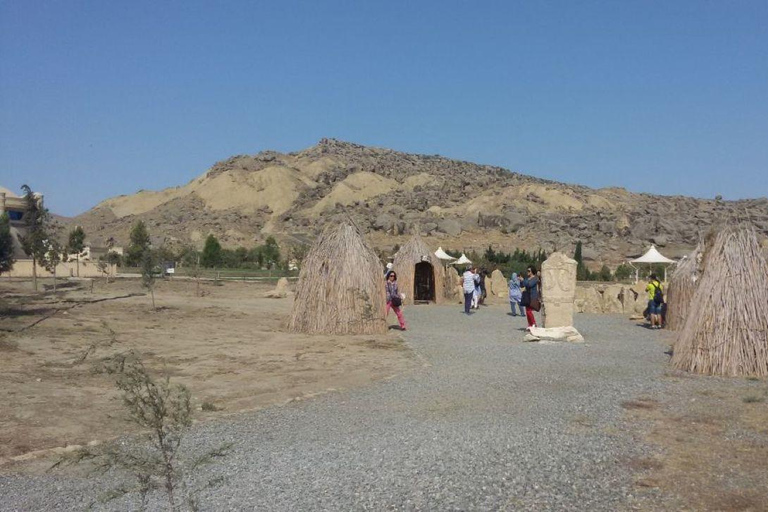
[455,204]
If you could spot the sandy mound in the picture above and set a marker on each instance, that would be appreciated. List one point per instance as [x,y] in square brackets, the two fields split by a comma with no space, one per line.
[275,187]
[356,187]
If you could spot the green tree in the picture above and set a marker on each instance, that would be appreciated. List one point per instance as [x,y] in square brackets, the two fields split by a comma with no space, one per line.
[271,252]
[582,272]
[37,222]
[148,273]
[52,258]
[76,245]
[211,256]
[604,274]
[623,272]
[139,244]
[6,244]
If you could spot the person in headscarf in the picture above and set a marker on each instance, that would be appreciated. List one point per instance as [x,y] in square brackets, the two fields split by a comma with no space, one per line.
[515,295]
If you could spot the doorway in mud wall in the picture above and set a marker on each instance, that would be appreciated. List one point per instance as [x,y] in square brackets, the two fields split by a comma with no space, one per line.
[424,282]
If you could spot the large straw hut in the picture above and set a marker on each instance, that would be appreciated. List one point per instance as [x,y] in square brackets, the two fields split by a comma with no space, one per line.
[341,286]
[682,286]
[420,274]
[726,331]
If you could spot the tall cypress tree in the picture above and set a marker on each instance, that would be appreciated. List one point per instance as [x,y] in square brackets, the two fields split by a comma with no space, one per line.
[211,256]
[582,273]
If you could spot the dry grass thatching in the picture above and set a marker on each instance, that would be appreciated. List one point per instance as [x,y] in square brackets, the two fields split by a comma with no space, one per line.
[726,332]
[404,263]
[341,286]
[682,286]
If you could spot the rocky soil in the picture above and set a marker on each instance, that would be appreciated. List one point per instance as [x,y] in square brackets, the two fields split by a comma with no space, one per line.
[390,194]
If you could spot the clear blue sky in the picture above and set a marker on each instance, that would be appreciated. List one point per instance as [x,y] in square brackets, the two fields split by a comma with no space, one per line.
[101,98]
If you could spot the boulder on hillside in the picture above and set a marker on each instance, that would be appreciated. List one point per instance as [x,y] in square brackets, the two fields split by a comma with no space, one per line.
[450,227]
[589,254]
[492,221]
[383,222]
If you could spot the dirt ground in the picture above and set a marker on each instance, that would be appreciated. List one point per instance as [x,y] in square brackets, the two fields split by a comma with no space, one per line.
[230,347]
[709,436]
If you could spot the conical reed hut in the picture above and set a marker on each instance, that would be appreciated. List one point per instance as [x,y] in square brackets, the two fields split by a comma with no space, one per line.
[682,286]
[726,331]
[341,286]
[420,274]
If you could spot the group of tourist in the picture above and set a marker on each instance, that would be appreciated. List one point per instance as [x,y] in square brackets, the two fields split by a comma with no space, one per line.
[524,293]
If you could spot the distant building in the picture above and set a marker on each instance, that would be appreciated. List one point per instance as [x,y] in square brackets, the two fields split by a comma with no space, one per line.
[15,207]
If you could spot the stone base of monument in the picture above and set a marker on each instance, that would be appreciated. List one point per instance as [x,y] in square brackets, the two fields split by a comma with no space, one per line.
[569,334]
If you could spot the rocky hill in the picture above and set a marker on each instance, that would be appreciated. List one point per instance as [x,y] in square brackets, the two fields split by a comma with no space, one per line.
[458,205]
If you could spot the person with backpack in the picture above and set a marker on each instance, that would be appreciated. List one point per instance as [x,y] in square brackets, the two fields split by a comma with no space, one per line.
[655,301]
[394,299]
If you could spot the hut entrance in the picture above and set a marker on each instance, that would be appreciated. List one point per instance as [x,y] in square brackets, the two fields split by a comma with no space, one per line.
[424,282]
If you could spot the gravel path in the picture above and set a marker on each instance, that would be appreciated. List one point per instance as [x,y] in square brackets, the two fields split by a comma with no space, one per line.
[489,423]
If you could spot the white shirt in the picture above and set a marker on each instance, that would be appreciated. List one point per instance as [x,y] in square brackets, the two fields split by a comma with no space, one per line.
[469,281]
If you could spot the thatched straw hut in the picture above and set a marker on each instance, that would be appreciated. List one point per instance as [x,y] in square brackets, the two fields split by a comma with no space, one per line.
[420,274]
[341,286]
[682,286]
[726,332]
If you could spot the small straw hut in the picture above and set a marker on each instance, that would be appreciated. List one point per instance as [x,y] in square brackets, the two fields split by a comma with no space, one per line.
[341,286]
[682,286]
[420,274]
[726,331]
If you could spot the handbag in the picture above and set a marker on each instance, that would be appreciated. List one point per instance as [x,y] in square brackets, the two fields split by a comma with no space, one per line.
[396,302]
[535,304]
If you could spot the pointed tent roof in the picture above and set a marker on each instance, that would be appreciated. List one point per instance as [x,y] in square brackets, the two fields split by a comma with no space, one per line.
[652,256]
[440,253]
[463,260]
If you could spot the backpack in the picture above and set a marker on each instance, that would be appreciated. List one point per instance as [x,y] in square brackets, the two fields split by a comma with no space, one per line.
[658,295]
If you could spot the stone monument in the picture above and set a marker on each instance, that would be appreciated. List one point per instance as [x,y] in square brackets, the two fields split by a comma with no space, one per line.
[558,290]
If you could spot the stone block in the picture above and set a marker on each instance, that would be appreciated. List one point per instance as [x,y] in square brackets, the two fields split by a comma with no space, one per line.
[558,280]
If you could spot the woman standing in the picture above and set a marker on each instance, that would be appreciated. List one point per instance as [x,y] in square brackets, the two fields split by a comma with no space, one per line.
[515,295]
[531,284]
[394,300]
[478,291]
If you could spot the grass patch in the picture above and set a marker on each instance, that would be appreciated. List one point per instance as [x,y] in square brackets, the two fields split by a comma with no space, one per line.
[209,407]
[640,404]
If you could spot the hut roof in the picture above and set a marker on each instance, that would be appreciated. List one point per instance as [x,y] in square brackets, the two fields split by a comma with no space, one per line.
[414,251]
[726,331]
[341,286]
[682,286]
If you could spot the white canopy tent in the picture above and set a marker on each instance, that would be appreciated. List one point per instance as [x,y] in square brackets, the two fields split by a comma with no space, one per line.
[463,260]
[440,253]
[651,257]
